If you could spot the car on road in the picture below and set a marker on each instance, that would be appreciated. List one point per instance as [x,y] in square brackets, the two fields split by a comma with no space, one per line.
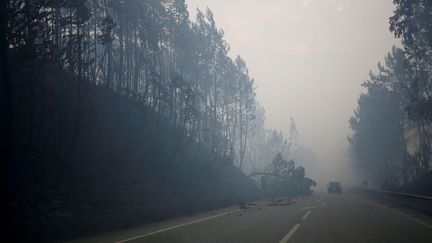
[334,187]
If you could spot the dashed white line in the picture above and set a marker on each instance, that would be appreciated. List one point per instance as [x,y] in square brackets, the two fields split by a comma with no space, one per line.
[306,215]
[312,207]
[175,226]
[320,199]
[289,234]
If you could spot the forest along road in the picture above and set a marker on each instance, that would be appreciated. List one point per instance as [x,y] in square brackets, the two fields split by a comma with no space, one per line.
[318,218]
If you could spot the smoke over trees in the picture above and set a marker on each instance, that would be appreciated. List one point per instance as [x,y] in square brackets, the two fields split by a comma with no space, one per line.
[115,108]
[392,124]
[148,51]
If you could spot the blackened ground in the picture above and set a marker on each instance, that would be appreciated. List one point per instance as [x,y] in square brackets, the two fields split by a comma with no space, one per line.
[86,159]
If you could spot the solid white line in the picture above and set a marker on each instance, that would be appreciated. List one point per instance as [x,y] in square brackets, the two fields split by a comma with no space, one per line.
[401,214]
[412,218]
[176,226]
[289,234]
[403,194]
[406,216]
[306,215]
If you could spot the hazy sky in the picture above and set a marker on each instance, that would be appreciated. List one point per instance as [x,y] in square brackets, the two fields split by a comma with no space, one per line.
[308,58]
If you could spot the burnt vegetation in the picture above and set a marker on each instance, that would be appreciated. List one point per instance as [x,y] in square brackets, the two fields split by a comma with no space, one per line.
[117,113]
[392,141]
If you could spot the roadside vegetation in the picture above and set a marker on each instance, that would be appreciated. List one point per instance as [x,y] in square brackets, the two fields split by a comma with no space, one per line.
[285,179]
[118,113]
[392,126]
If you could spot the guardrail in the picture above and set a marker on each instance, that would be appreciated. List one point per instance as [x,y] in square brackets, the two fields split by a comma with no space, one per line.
[398,199]
[401,194]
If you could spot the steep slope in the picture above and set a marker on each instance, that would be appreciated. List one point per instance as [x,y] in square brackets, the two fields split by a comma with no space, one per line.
[86,159]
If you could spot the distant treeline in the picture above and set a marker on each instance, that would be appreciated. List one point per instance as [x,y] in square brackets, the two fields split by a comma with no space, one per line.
[392,125]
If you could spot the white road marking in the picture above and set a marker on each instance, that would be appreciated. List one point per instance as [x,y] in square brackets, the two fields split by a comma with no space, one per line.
[289,234]
[401,214]
[306,215]
[412,218]
[312,207]
[406,216]
[176,226]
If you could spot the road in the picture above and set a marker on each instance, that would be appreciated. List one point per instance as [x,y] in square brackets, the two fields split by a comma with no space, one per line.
[318,218]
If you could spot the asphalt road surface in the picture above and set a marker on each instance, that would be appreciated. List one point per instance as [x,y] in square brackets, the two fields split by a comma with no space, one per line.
[319,218]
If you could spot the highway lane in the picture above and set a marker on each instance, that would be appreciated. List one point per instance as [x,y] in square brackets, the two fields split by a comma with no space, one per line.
[352,218]
[317,218]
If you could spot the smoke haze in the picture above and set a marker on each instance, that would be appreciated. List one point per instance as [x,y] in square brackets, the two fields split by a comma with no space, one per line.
[309,59]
